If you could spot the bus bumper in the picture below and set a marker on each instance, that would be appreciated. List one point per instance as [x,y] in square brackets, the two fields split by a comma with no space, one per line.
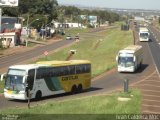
[129,69]
[144,40]
[19,96]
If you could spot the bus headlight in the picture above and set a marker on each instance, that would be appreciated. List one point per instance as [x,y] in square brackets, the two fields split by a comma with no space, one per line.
[22,92]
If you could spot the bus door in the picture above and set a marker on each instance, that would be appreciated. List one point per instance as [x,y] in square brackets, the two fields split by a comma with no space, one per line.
[30,80]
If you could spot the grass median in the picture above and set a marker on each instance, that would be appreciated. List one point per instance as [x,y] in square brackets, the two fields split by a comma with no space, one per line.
[92,107]
[1,86]
[98,47]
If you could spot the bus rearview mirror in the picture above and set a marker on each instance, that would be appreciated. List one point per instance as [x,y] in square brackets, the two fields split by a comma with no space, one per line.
[116,58]
[3,76]
[134,59]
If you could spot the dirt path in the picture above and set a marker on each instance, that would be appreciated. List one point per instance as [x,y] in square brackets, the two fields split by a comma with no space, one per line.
[150,89]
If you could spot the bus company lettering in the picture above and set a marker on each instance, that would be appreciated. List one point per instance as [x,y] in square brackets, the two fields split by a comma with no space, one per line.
[70,78]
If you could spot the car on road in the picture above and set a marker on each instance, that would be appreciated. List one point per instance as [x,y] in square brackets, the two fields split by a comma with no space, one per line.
[69,37]
[61,32]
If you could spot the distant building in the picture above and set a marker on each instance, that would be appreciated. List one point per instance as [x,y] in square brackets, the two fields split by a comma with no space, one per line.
[106,23]
[139,18]
[8,22]
[67,25]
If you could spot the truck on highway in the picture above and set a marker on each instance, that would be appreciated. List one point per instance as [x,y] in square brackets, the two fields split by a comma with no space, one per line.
[143,34]
[47,78]
[130,58]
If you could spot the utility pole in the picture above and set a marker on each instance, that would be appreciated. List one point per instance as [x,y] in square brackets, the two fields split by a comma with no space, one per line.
[28,26]
[0,19]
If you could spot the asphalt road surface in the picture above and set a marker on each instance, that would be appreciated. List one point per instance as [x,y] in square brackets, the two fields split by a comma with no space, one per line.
[5,62]
[155,46]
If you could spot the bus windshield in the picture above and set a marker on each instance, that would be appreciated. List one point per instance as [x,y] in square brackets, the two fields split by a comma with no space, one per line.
[126,61]
[144,35]
[14,80]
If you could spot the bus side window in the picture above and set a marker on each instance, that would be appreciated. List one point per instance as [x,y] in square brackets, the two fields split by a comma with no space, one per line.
[30,79]
[85,68]
[78,69]
[50,72]
[72,70]
[38,75]
[65,70]
[56,71]
[61,71]
[88,68]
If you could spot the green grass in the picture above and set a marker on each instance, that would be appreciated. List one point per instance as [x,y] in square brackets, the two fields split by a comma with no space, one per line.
[99,105]
[74,31]
[157,24]
[1,86]
[103,57]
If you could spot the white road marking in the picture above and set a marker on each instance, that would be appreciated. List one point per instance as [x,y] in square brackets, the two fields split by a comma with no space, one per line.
[144,90]
[153,60]
[151,105]
[146,95]
[150,112]
[149,85]
[151,80]
[143,79]
[151,100]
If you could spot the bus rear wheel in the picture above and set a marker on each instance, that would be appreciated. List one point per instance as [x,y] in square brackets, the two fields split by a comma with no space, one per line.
[74,89]
[80,88]
[38,95]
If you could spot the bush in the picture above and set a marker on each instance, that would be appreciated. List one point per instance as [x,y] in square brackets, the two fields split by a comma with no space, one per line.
[1,46]
[90,26]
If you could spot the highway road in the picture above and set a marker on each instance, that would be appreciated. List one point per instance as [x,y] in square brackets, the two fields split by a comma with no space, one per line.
[5,62]
[155,46]
[104,83]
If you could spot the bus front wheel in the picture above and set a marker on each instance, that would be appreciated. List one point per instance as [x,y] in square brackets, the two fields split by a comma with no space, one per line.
[74,89]
[38,95]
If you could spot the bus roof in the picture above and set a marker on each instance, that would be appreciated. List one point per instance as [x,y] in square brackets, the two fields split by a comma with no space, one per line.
[61,63]
[143,29]
[48,63]
[131,49]
[26,66]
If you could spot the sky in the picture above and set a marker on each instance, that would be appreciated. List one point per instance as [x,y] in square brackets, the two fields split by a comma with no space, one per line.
[126,4]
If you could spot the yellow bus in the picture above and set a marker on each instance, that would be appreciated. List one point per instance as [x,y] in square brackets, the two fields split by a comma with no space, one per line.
[47,78]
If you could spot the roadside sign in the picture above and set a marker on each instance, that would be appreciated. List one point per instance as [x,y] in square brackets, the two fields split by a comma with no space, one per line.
[9,2]
[46,53]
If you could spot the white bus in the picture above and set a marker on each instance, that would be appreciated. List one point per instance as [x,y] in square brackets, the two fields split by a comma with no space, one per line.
[130,58]
[47,78]
[143,34]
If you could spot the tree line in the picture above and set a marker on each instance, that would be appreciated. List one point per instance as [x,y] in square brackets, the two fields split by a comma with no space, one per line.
[48,10]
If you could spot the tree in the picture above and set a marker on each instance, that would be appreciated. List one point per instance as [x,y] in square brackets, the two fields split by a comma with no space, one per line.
[8,11]
[33,7]
[47,10]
